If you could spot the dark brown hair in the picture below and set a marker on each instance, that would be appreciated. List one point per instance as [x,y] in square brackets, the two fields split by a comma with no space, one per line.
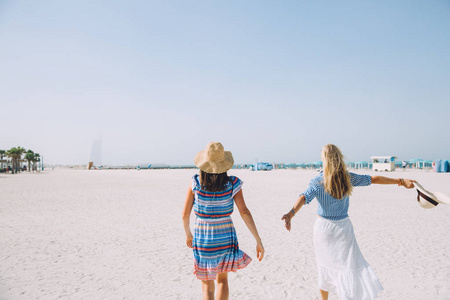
[213,182]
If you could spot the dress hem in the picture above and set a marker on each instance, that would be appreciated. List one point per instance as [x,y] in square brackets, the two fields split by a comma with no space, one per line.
[360,283]
[222,267]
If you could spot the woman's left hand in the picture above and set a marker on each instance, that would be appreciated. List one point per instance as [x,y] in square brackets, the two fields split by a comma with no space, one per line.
[408,183]
[259,250]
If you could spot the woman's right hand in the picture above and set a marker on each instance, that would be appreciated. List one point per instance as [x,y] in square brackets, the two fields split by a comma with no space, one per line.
[189,240]
[259,250]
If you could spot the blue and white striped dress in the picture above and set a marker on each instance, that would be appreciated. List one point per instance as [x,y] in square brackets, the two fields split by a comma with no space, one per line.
[215,244]
[340,263]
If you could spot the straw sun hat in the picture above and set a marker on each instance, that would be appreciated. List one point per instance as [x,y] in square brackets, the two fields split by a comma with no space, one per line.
[429,199]
[214,159]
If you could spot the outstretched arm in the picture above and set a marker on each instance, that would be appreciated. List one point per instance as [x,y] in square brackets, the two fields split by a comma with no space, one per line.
[407,183]
[248,219]
[297,206]
[188,203]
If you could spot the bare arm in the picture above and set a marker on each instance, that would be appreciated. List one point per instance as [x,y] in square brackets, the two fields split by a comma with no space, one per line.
[407,183]
[297,206]
[248,219]
[188,203]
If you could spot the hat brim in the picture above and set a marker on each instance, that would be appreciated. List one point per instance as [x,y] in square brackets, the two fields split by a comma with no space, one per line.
[423,202]
[214,167]
[441,198]
[424,191]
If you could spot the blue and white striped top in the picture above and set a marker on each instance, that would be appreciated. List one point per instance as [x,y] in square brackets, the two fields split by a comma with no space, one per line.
[329,207]
[215,204]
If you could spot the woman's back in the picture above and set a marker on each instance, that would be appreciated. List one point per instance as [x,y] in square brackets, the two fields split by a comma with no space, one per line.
[215,204]
[329,207]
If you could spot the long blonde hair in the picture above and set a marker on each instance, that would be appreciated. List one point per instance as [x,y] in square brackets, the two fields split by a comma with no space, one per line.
[336,179]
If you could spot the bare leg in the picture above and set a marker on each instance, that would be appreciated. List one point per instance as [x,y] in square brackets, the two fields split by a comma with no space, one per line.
[208,289]
[222,286]
[324,295]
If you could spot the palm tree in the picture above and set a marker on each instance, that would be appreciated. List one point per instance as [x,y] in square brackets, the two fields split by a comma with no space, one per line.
[15,154]
[21,151]
[29,156]
[2,153]
[36,158]
[12,153]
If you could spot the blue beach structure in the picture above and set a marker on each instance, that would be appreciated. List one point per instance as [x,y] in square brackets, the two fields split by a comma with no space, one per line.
[302,165]
[442,166]
[315,165]
[361,164]
[428,164]
[291,166]
[417,162]
[262,166]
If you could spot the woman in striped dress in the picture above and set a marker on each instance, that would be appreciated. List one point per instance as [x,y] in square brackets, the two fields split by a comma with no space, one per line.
[340,263]
[214,243]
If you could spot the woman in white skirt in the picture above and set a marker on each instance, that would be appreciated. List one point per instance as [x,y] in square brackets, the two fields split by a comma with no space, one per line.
[341,266]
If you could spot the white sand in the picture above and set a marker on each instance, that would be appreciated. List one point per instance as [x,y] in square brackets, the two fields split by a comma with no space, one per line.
[118,235]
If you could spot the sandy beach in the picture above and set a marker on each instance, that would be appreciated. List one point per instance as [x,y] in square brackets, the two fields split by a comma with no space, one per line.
[118,234]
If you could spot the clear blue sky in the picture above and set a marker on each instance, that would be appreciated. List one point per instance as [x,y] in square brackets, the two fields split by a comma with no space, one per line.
[271,80]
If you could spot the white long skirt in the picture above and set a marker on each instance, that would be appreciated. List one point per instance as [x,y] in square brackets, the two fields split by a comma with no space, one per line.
[341,265]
